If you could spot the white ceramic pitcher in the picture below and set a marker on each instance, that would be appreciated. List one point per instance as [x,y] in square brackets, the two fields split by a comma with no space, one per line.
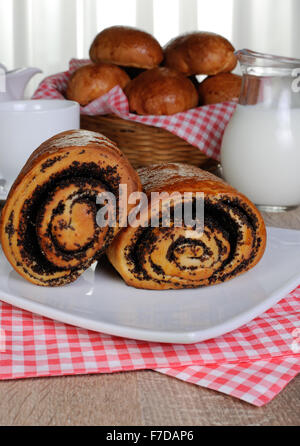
[13,83]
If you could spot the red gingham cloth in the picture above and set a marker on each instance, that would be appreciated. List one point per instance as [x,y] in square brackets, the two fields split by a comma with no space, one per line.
[253,363]
[202,127]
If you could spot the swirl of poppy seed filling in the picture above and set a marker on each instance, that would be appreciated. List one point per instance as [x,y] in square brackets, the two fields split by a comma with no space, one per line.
[51,230]
[47,222]
[220,253]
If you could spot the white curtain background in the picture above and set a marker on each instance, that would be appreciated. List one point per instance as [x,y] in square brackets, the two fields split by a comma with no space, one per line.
[270,26]
[47,33]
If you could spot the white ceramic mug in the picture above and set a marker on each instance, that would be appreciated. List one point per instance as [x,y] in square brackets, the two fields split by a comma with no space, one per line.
[24,125]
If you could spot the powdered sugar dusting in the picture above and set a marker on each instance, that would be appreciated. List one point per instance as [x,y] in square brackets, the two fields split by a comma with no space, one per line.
[80,138]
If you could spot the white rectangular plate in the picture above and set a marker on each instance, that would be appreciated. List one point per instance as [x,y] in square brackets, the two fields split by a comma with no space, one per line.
[99,300]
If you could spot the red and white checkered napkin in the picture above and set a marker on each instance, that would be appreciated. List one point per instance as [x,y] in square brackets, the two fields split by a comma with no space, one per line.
[252,363]
[202,127]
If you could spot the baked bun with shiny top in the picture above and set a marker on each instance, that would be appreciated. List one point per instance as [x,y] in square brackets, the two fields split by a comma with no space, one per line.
[126,46]
[200,53]
[161,91]
[220,88]
[92,81]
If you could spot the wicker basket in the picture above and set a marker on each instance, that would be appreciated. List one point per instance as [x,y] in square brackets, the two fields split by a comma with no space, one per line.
[144,144]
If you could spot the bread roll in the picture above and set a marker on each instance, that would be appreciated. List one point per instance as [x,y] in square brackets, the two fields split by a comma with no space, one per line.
[48,229]
[200,53]
[161,91]
[92,81]
[126,46]
[220,88]
[178,256]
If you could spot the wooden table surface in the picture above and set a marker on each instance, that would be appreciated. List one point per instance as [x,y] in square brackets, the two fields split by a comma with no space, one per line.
[143,397]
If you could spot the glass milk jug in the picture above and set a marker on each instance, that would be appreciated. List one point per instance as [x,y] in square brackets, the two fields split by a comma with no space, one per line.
[260,152]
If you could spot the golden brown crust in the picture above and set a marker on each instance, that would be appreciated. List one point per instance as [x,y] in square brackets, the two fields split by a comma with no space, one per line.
[93,81]
[126,46]
[48,228]
[220,88]
[233,240]
[161,91]
[200,53]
